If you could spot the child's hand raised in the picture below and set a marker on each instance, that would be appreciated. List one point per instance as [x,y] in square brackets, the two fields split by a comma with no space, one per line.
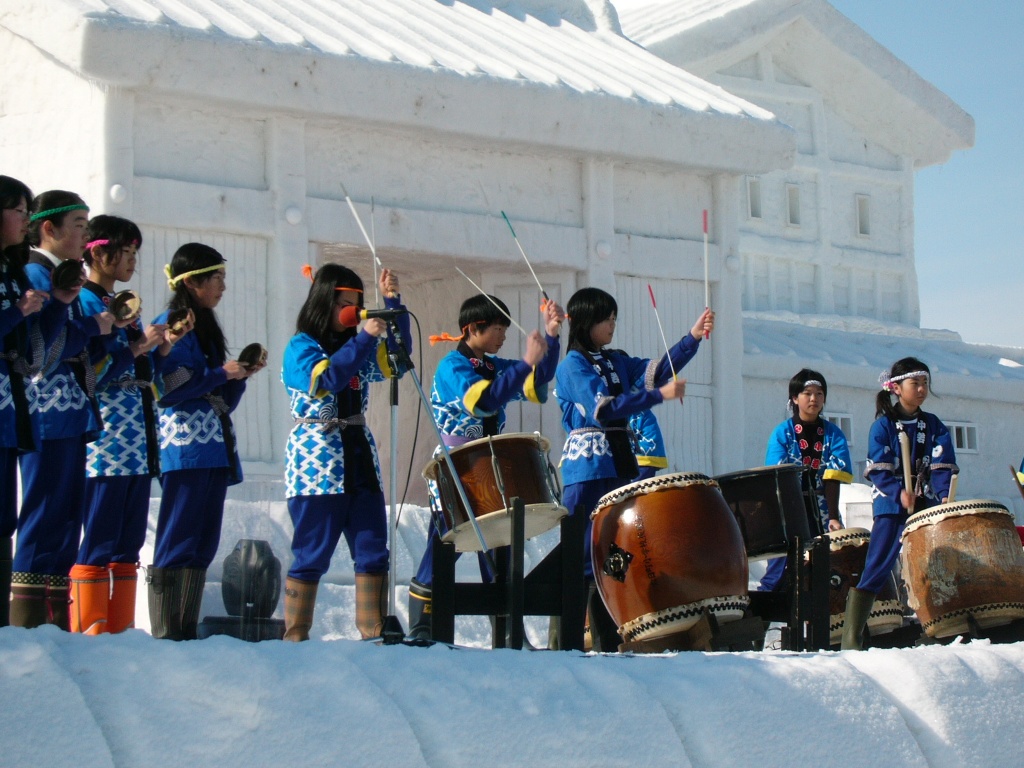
[704,325]
[673,390]
[554,316]
[536,348]
[388,282]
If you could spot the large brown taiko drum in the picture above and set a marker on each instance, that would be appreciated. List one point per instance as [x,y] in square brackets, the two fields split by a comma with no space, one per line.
[848,551]
[493,471]
[963,559]
[666,551]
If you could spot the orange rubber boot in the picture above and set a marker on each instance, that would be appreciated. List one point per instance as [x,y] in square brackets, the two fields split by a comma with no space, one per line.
[121,614]
[90,598]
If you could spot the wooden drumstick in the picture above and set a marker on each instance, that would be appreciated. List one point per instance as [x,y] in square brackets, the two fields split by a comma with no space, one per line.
[908,481]
[952,489]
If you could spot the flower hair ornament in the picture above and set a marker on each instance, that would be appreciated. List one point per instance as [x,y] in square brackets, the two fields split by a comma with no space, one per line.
[891,383]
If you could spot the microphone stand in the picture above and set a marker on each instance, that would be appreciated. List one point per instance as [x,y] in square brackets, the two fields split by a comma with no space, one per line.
[398,357]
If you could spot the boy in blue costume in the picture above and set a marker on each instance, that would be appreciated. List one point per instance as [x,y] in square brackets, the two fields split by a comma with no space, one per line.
[471,390]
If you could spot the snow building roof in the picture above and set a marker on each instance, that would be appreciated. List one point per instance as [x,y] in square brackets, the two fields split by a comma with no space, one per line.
[557,72]
[853,352]
[815,45]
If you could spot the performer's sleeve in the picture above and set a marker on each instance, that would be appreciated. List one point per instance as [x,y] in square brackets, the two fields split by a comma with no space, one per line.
[185,375]
[777,451]
[334,374]
[403,326]
[883,463]
[838,464]
[108,364]
[580,384]
[10,319]
[233,390]
[513,382]
[943,465]
[660,372]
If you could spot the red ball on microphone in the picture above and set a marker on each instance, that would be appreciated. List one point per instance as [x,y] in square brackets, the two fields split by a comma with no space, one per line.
[349,316]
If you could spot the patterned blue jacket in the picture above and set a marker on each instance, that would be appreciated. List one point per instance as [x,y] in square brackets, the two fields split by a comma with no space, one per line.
[60,406]
[784,448]
[121,448]
[932,454]
[196,400]
[587,404]
[650,444]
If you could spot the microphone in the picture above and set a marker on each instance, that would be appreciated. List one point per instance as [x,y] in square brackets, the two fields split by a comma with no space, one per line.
[351,316]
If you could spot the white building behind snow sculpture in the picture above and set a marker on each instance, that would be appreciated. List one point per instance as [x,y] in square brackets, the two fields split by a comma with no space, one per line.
[235,122]
[829,275]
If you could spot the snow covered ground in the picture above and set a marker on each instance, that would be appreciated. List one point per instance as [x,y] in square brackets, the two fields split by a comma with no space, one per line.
[128,700]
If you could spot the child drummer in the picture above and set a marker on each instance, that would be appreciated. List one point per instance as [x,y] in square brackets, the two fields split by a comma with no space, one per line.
[471,389]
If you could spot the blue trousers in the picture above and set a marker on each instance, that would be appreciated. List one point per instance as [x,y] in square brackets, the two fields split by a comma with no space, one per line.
[883,549]
[587,494]
[8,492]
[191,511]
[50,522]
[116,512]
[425,572]
[319,522]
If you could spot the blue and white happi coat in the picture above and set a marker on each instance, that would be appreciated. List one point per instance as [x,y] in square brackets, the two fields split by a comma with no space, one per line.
[21,339]
[58,403]
[315,454]
[587,404]
[933,461]
[835,464]
[121,449]
[648,440]
[196,400]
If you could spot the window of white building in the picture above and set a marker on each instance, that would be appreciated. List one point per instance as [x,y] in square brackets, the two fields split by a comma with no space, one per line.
[753,197]
[965,436]
[793,205]
[863,215]
[845,422]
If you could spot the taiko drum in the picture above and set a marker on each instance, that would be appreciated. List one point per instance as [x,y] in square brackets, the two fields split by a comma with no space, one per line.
[665,551]
[963,559]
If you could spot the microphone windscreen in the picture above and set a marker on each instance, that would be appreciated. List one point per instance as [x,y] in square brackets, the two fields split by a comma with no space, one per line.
[349,316]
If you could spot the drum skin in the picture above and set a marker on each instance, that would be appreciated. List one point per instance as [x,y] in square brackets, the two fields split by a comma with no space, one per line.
[962,559]
[666,550]
[523,468]
[771,508]
[848,551]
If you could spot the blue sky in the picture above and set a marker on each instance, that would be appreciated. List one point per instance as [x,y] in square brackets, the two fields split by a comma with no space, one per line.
[968,211]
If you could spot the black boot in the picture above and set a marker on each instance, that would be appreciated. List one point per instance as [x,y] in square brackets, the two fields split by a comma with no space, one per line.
[165,602]
[58,602]
[193,582]
[604,635]
[5,581]
[419,611]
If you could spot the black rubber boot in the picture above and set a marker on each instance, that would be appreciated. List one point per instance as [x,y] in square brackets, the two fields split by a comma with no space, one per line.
[165,602]
[28,599]
[419,611]
[5,581]
[858,608]
[193,582]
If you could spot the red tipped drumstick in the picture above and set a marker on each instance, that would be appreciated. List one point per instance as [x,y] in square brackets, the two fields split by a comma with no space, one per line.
[664,341]
[707,283]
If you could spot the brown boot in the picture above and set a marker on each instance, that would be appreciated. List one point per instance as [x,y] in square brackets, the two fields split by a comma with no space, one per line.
[28,599]
[121,613]
[90,599]
[299,601]
[371,603]
[58,602]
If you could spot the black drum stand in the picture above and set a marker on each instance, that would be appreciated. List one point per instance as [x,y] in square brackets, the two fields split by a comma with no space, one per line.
[555,587]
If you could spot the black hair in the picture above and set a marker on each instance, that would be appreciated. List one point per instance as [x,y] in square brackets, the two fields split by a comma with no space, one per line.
[884,405]
[50,200]
[118,233]
[12,194]
[480,311]
[587,308]
[796,386]
[317,314]
[189,257]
